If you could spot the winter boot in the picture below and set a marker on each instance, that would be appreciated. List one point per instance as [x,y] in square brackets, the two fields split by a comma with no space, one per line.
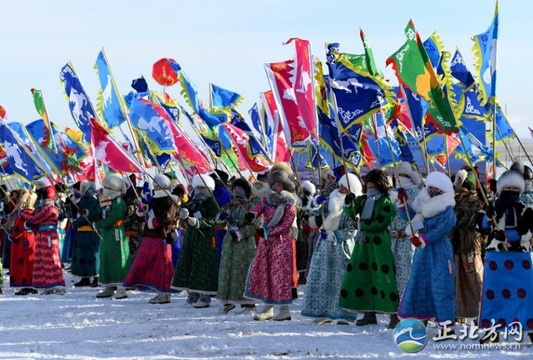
[85,281]
[368,319]
[267,313]
[107,292]
[283,314]
[192,298]
[394,321]
[121,293]
[94,283]
[203,302]
[163,298]
[155,299]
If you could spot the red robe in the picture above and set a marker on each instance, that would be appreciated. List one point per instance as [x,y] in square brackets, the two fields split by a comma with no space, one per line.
[22,254]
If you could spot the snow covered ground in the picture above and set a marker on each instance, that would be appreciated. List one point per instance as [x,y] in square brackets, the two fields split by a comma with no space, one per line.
[79,326]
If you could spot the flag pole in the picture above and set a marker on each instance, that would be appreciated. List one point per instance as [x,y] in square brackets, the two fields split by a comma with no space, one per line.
[134,135]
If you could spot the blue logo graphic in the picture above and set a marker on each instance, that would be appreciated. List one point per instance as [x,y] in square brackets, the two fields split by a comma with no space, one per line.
[410,335]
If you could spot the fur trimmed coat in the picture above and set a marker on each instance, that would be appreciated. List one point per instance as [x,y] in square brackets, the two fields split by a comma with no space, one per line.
[430,291]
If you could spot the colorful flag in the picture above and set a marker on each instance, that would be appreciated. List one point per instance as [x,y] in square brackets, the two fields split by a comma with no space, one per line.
[223,98]
[504,130]
[473,108]
[485,55]
[188,91]
[280,76]
[169,104]
[48,140]
[152,121]
[415,71]
[37,132]
[434,47]
[355,95]
[279,149]
[20,160]
[110,152]
[79,104]
[369,55]
[460,71]
[109,100]
[257,162]
[303,84]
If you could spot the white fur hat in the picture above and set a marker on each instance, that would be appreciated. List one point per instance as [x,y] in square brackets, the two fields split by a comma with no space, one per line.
[460,177]
[309,186]
[162,181]
[113,182]
[511,178]
[351,182]
[200,180]
[440,181]
[404,168]
[327,173]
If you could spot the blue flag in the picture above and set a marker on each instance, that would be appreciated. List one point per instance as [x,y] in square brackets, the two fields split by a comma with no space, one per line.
[222,98]
[79,104]
[108,101]
[460,71]
[504,129]
[20,160]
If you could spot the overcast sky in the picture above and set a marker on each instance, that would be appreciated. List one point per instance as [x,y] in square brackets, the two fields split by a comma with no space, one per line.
[227,43]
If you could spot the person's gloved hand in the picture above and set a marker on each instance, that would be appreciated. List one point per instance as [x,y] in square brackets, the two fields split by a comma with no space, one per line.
[223,216]
[194,222]
[323,234]
[418,241]
[349,198]
[499,235]
[489,211]
[512,235]
[249,217]
[320,199]
[260,232]
[184,213]
[233,234]
[402,195]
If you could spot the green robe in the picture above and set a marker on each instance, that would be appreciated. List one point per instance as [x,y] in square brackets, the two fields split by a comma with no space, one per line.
[369,283]
[115,259]
[197,267]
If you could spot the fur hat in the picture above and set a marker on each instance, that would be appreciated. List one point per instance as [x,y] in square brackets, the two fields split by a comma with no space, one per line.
[466,179]
[243,184]
[379,179]
[200,180]
[351,182]
[86,185]
[528,173]
[327,173]
[511,178]
[309,187]
[440,181]
[162,181]
[113,182]
[404,168]
[282,173]
[517,166]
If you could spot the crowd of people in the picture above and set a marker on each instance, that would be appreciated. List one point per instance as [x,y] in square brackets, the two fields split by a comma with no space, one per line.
[445,249]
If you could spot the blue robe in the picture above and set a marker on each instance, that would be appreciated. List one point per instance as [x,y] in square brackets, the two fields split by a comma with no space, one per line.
[430,291]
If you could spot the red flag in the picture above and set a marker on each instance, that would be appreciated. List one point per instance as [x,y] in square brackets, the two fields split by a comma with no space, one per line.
[256,163]
[303,84]
[280,76]
[110,152]
[187,153]
[280,150]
